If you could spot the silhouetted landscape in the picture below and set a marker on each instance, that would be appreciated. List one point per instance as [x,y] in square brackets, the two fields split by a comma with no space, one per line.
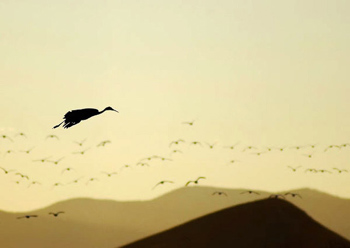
[265,223]
[106,223]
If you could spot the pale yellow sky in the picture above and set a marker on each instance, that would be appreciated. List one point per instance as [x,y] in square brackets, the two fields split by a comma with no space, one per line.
[262,73]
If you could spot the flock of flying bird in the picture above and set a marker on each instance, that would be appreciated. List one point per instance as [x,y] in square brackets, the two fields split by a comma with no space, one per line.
[74,117]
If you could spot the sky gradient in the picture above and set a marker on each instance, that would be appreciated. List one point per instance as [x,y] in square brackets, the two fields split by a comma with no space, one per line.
[261,73]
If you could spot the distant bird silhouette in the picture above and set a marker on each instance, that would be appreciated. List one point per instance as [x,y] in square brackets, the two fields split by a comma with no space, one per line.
[211,146]
[195,181]
[81,152]
[345,145]
[27,151]
[232,147]
[297,147]
[175,151]
[269,149]
[21,134]
[257,153]
[196,143]
[8,152]
[294,168]
[33,183]
[56,185]
[323,171]
[249,148]
[73,117]
[42,160]
[57,213]
[6,137]
[250,192]
[276,196]
[91,180]
[103,143]
[176,142]
[308,155]
[188,123]
[76,180]
[339,170]
[80,143]
[233,161]
[293,194]
[27,216]
[162,182]
[331,146]
[67,169]
[55,162]
[22,176]
[142,164]
[109,174]
[164,159]
[6,171]
[311,170]
[52,136]
[219,193]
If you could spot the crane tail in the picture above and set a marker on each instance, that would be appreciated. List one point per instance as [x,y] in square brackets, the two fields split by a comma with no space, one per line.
[58,125]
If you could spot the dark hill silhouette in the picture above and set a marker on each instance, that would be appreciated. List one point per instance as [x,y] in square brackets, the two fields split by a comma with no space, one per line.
[270,223]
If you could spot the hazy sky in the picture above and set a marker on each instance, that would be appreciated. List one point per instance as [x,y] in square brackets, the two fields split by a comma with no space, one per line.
[263,73]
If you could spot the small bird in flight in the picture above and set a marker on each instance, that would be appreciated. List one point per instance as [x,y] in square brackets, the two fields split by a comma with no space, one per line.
[56,214]
[339,170]
[6,171]
[188,123]
[195,181]
[21,134]
[293,194]
[6,137]
[52,136]
[103,143]
[73,117]
[250,192]
[294,169]
[219,193]
[249,148]
[27,216]
[211,146]
[162,182]
[22,176]
[109,174]
[80,143]
[232,147]
[27,151]
[176,142]
[42,160]
[55,162]
[81,152]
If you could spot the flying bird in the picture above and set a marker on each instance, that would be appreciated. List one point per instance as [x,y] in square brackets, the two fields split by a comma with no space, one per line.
[27,151]
[6,171]
[250,192]
[188,123]
[73,117]
[22,176]
[80,143]
[67,169]
[52,136]
[55,162]
[196,143]
[339,170]
[21,134]
[276,196]
[27,216]
[249,148]
[81,152]
[211,146]
[294,168]
[293,194]
[195,181]
[57,213]
[42,160]
[109,174]
[91,180]
[311,170]
[331,146]
[219,193]
[6,137]
[103,143]
[162,182]
[176,142]
[232,147]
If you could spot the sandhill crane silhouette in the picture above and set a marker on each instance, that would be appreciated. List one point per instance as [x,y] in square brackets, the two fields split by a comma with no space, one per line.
[73,117]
